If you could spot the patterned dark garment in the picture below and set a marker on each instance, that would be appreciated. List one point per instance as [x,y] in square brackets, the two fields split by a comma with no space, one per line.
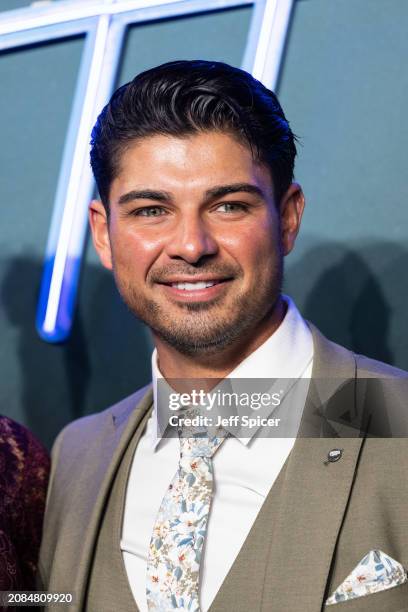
[24,470]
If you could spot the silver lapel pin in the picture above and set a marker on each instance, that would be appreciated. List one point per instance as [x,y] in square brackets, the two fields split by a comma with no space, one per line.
[334,455]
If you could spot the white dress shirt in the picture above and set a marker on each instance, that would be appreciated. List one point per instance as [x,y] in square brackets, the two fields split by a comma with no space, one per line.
[244,469]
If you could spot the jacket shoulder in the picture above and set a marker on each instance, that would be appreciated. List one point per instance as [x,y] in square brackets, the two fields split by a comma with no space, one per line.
[86,428]
[371,368]
[334,360]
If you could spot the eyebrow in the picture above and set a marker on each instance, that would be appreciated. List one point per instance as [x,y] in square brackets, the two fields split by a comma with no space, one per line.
[222,190]
[144,194]
[210,194]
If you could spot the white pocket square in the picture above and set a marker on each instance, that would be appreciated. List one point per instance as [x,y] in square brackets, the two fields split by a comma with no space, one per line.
[376,572]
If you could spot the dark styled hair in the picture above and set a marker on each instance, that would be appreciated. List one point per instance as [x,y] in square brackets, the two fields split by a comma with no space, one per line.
[182,98]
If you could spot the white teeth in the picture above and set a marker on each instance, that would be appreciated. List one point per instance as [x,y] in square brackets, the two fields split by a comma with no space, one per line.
[193,286]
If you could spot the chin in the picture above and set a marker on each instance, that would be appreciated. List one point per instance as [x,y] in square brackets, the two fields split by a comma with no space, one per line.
[198,344]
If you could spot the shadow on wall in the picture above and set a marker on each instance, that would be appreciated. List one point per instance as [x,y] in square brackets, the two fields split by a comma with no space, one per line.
[357,295]
[106,358]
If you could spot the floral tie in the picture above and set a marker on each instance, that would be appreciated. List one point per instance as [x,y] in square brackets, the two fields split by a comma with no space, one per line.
[179,531]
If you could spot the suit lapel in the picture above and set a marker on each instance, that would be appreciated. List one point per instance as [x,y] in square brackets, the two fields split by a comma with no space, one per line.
[120,425]
[315,492]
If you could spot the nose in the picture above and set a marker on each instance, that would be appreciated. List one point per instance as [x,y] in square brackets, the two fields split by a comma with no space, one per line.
[191,240]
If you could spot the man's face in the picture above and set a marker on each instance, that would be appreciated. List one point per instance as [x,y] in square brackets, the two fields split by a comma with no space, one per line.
[195,239]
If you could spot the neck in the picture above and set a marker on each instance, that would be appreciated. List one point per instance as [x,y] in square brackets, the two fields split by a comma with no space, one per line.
[174,364]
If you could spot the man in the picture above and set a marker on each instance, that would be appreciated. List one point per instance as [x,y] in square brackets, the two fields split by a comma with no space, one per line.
[194,165]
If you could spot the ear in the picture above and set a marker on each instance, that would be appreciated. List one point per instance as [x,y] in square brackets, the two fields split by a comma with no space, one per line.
[98,221]
[291,211]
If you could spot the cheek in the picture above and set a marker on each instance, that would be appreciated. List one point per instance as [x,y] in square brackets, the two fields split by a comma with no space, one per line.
[254,247]
[134,255]
[136,250]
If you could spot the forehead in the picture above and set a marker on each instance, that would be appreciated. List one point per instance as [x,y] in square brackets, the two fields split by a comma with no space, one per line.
[190,164]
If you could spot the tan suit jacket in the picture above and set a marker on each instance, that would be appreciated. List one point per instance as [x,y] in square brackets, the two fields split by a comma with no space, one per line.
[319,520]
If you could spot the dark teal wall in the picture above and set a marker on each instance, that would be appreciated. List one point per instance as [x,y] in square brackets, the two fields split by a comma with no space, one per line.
[36,94]
[343,87]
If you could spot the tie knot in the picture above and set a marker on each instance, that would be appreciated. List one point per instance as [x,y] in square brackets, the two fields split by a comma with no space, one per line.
[200,445]
[195,440]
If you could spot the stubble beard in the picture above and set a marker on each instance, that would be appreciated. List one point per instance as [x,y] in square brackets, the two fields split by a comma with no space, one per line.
[201,329]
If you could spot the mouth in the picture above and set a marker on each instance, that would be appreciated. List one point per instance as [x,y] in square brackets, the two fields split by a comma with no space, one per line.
[195,286]
[198,290]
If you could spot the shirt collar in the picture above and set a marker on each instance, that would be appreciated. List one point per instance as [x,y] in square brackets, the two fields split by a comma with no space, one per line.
[286,354]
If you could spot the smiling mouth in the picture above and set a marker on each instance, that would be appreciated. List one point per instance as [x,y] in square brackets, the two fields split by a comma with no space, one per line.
[199,285]
[192,291]
[192,283]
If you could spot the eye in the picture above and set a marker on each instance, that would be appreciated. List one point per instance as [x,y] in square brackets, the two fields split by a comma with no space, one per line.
[232,207]
[149,211]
